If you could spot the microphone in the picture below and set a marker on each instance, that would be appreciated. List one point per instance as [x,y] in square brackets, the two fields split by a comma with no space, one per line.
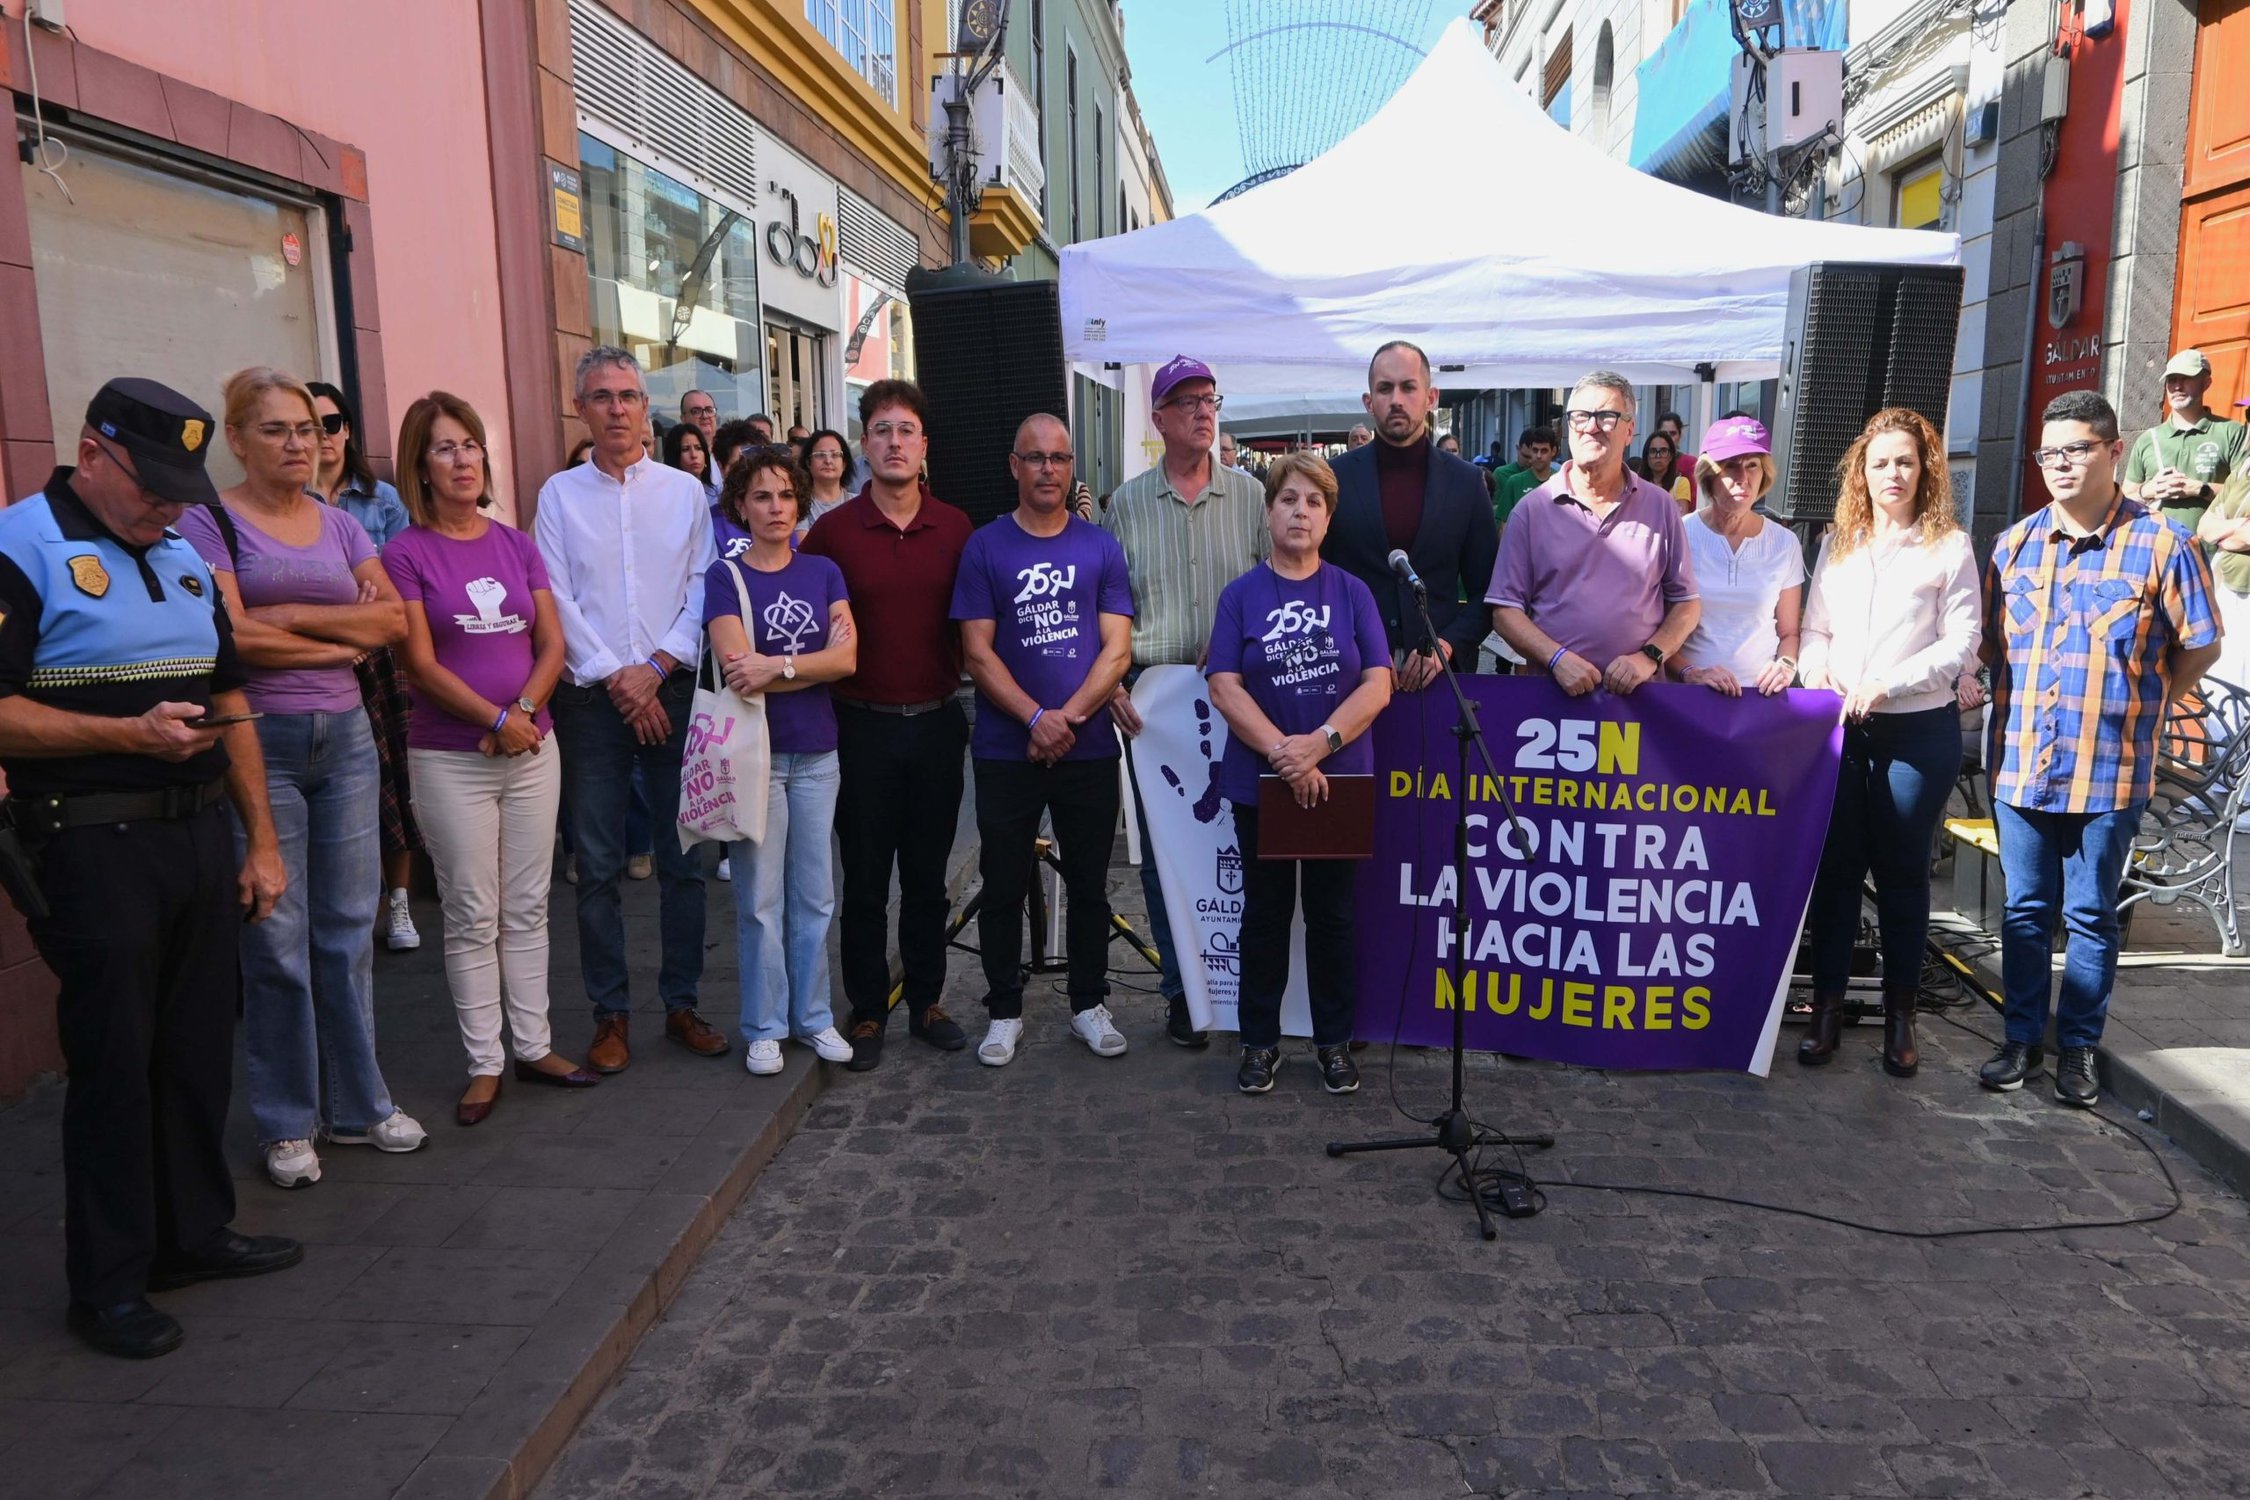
[1403,566]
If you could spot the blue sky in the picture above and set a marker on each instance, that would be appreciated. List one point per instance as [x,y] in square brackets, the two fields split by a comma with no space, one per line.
[1189,102]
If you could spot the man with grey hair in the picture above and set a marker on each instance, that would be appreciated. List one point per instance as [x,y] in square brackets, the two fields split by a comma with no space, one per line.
[1593,585]
[626,541]
[1360,436]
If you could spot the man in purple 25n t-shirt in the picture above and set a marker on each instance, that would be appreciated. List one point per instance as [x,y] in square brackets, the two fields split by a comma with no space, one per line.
[1046,614]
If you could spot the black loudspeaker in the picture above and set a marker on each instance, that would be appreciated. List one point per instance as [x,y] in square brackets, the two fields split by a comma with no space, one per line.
[987,353]
[1859,338]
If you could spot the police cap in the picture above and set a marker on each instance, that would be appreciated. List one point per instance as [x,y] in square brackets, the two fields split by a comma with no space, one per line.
[168,436]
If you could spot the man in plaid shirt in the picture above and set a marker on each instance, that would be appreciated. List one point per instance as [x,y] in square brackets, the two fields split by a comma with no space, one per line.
[2097,615]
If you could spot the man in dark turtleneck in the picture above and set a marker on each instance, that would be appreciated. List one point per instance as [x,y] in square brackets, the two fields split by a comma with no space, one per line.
[1401,493]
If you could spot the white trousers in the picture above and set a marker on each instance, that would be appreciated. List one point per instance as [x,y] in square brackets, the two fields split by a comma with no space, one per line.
[489,824]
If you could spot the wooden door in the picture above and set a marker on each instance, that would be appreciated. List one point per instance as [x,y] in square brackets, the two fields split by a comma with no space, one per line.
[2211,311]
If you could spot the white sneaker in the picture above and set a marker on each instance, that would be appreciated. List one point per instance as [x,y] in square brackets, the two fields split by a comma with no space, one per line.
[726,867]
[1098,1030]
[398,1134]
[830,1044]
[998,1049]
[292,1164]
[763,1057]
[402,935]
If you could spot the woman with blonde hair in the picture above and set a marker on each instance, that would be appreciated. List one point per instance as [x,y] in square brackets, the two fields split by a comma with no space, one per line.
[1893,619]
[307,597]
[1750,569]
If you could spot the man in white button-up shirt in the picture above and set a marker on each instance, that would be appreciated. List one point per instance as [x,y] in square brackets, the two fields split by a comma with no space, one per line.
[627,540]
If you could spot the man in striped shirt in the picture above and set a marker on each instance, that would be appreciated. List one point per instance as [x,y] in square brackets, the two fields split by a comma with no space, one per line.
[2097,615]
[1189,527]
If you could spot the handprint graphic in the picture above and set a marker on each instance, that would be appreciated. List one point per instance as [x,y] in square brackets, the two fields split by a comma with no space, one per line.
[1206,806]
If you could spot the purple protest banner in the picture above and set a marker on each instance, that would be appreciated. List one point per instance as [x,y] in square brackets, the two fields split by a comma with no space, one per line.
[1652,920]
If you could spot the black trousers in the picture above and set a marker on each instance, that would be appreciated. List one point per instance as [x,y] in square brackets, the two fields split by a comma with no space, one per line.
[144,937]
[1082,796]
[900,799]
[1269,903]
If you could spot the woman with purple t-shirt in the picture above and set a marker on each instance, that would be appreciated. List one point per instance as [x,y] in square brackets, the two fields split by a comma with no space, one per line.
[308,597]
[794,639]
[484,649]
[1299,664]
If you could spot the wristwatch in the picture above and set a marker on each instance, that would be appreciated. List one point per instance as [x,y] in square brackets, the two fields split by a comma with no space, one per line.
[1335,740]
[527,705]
[789,667]
[1655,653]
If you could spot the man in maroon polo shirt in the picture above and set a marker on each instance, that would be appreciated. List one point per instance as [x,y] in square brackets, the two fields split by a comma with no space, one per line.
[900,731]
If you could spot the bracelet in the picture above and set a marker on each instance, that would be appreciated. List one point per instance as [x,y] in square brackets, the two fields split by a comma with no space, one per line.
[501,722]
[1560,653]
[1036,715]
[659,668]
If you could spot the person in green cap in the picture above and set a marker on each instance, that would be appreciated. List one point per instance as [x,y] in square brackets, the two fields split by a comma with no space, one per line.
[2178,467]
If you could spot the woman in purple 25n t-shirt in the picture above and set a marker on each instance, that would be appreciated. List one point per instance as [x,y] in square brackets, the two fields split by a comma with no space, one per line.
[484,650]
[795,638]
[307,596]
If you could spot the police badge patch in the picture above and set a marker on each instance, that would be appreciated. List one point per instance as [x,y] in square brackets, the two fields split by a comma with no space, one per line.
[90,576]
[192,584]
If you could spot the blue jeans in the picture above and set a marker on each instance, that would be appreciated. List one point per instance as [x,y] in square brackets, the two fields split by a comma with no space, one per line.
[2065,864]
[784,898]
[599,757]
[308,971]
[1890,793]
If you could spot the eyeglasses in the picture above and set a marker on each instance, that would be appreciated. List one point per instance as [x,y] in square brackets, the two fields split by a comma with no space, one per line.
[615,398]
[1594,421]
[453,453]
[2069,456]
[282,432]
[334,423]
[1044,460]
[904,432]
[1195,403]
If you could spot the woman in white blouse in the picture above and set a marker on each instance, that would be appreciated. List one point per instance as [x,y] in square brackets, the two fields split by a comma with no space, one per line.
[1892,620]
[1751,571]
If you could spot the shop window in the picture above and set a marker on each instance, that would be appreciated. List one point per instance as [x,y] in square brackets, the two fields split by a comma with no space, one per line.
[675,281]
[863,31]
[156,269]
[1918,194]
[795,358]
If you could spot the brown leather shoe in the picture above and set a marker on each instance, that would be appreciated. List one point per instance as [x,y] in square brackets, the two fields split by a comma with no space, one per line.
[694,1033]
[1823,1031]
[1900,1056]
[610,1052]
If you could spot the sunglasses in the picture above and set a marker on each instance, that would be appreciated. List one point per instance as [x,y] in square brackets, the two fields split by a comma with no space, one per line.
[334,423]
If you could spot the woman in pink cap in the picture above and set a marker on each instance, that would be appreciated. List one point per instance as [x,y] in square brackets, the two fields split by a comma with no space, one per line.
[1750,569]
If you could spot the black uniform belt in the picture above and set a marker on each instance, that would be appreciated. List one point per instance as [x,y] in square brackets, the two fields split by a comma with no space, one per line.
[902,710]
[41,816]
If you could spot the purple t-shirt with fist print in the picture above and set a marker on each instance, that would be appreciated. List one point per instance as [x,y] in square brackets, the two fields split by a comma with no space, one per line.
[477,596]
[1045,596]
[1299,645]
[788,617]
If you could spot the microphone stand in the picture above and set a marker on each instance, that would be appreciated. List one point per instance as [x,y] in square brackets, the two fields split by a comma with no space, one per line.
[1454,1133]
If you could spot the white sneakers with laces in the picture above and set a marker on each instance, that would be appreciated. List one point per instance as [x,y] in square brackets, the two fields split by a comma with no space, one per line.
[401,936]
[763,1058]
[998,1049]
[829,1043]
[292,1164]
[398,1134]
[1097,1028]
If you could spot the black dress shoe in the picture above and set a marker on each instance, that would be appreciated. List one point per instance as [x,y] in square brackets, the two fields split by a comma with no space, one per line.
[576,1078]
[2075,1082]
[226,1254]
[2005,1071]
[1182,1030]
[866,1038]
[938,1029]
[130,1330]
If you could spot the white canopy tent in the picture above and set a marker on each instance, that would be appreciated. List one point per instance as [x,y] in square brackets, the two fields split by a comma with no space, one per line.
[1289,288]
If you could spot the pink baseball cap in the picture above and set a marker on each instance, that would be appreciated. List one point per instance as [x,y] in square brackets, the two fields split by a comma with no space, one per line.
[1735,437]
[1178,371]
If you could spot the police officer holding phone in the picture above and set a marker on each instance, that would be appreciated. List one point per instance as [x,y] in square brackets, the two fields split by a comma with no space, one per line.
[116,666]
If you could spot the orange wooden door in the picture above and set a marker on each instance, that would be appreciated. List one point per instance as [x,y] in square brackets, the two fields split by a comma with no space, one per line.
[2211,311]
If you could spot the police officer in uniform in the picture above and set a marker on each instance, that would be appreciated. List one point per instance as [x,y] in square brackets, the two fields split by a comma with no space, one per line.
[114,650]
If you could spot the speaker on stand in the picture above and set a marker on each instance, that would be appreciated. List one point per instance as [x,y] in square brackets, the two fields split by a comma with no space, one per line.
[987,353]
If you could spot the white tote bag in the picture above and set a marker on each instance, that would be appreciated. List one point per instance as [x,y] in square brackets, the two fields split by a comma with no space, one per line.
[727,763]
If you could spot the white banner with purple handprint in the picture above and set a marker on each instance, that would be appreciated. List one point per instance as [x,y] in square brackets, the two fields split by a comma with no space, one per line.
[1191,833]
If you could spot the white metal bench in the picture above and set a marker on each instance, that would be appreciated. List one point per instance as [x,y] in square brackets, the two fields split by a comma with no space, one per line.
[2188,839]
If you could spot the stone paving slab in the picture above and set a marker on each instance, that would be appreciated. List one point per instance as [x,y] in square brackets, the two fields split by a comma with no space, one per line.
[1077,1276]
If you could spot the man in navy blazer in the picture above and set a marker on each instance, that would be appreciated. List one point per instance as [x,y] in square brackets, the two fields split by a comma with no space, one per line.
[1400,492]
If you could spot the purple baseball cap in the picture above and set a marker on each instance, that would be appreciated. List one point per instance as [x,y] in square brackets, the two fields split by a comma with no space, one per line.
[1735,437]
[1178,371]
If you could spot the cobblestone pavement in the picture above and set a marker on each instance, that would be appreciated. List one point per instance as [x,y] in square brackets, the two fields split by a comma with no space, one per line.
[1080,1276]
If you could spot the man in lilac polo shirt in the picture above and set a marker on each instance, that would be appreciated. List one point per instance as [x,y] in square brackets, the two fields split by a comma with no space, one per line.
[1593,584]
